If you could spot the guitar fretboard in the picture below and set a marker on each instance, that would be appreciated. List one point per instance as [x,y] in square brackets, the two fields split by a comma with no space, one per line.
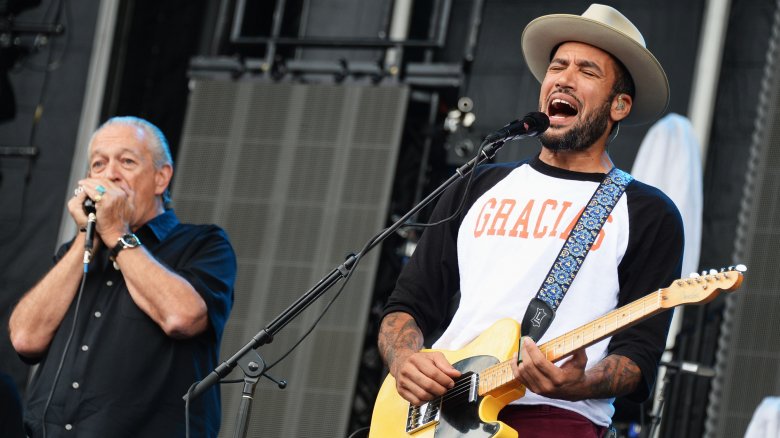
[501,374]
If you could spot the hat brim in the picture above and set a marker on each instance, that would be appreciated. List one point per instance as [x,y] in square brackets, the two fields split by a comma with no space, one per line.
[543,34]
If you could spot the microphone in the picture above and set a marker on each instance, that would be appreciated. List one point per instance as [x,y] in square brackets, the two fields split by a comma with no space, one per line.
[89,209]
[690,368]
[532,125]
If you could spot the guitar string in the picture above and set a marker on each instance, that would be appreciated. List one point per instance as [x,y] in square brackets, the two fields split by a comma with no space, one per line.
[463,385]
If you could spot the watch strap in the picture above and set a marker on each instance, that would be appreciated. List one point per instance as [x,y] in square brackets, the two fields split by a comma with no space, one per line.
[126,241]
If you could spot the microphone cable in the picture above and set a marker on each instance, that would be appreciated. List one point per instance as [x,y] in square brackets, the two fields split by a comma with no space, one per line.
[65,350]
[535,120]
[463,199]
[347,278]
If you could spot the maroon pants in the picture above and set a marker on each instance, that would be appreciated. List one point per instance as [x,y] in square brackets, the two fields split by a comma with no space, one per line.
[543,421]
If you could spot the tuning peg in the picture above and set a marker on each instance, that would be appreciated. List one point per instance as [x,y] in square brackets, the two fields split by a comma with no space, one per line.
[693,275]
[741,268]
[713,271]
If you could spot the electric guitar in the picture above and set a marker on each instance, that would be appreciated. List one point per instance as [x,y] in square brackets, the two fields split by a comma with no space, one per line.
[487,384]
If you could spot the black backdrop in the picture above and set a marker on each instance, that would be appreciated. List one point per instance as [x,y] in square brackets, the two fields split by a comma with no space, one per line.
[32,191]
[155,40]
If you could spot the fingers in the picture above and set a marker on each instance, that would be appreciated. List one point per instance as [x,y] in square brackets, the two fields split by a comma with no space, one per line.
[75,207]
[425,376]
[444,365]
[538,373]
[106,193]
[532,371]
[543,377]
[113,207]
[96,189]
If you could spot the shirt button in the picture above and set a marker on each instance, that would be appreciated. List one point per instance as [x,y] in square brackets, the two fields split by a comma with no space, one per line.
[68,427]
[109,283]
[98,314]
[75,385]
[84,347]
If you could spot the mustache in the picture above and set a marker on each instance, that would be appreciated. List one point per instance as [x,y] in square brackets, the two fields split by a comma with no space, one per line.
[559,90]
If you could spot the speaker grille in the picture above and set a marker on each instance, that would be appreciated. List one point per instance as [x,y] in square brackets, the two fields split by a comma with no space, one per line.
[298,176]
[748,359]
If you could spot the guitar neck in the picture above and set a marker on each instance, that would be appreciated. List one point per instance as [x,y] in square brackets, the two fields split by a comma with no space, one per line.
[556,349]
[604,327]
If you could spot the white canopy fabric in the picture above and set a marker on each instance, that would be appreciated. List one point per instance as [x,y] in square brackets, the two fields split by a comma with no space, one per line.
[766,420]
[670,159]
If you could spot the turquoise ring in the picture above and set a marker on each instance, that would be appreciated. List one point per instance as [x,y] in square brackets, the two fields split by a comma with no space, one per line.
[101,190]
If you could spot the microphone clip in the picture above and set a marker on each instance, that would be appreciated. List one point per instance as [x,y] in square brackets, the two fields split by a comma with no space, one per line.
[89,238]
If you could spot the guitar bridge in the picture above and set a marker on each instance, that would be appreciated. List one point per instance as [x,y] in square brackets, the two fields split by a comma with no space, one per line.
[424,415]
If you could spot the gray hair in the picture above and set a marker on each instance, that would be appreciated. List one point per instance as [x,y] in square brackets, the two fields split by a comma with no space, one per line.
[157,143]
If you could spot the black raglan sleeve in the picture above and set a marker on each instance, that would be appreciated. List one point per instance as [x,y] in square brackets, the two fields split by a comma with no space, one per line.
[430,279]
[653,260]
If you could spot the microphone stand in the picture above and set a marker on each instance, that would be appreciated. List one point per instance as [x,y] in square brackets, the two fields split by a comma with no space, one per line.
[254,367]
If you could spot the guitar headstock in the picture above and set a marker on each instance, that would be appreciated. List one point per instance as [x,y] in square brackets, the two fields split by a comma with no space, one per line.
[702,288]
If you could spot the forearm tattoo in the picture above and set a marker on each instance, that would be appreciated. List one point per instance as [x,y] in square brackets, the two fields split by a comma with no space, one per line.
[397,333]
[614,376]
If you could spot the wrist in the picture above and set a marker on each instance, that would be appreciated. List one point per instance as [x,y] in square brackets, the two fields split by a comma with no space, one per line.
[125,242]
[112,236]
[397,360]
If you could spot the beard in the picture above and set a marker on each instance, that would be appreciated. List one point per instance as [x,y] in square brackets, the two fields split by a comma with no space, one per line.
[582,135]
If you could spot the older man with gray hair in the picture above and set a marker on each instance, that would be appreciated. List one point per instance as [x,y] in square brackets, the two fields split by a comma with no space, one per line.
[120,336]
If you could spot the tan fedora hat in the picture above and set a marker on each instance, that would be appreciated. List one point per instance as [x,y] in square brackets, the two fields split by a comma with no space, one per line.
[603,27]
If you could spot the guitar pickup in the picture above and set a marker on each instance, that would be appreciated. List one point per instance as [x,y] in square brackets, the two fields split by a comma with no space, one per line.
[473,385]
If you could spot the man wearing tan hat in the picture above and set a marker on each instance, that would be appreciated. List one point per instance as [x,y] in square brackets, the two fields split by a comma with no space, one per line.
[595,74]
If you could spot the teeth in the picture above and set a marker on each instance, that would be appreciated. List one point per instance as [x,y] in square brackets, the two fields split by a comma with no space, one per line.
[563,102]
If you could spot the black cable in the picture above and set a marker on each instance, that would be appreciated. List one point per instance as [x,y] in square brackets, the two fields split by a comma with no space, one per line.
[355,433]
[51,65]
[62,11]
[462,200]
[347,277]
[187,409]
[359,256]
[64,351]
[654,422]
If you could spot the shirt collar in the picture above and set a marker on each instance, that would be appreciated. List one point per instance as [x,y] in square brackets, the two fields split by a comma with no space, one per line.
[161,226]
[557,172]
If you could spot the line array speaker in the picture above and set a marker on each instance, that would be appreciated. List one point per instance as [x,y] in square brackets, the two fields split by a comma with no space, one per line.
[299,176]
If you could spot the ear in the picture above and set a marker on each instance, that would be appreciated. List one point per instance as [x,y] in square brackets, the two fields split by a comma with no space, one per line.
[162,178]
[621,107]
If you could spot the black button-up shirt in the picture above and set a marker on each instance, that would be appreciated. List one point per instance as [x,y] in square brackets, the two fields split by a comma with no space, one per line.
[122,375]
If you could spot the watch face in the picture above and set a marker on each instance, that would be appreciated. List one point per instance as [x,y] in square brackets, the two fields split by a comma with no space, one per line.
[130,241]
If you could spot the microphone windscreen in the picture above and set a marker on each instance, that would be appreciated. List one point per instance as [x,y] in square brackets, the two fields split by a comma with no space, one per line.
[89,206]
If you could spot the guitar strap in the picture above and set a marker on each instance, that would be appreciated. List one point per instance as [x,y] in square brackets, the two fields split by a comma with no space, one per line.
[541,309]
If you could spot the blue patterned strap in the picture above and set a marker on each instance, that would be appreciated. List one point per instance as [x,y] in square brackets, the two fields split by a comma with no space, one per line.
[541,310]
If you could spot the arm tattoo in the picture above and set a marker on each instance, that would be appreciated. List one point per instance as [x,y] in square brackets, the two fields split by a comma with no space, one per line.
[614,376]
[398,332]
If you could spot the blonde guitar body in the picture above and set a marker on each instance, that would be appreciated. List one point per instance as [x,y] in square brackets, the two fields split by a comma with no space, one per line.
[487,384]
[479,418]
